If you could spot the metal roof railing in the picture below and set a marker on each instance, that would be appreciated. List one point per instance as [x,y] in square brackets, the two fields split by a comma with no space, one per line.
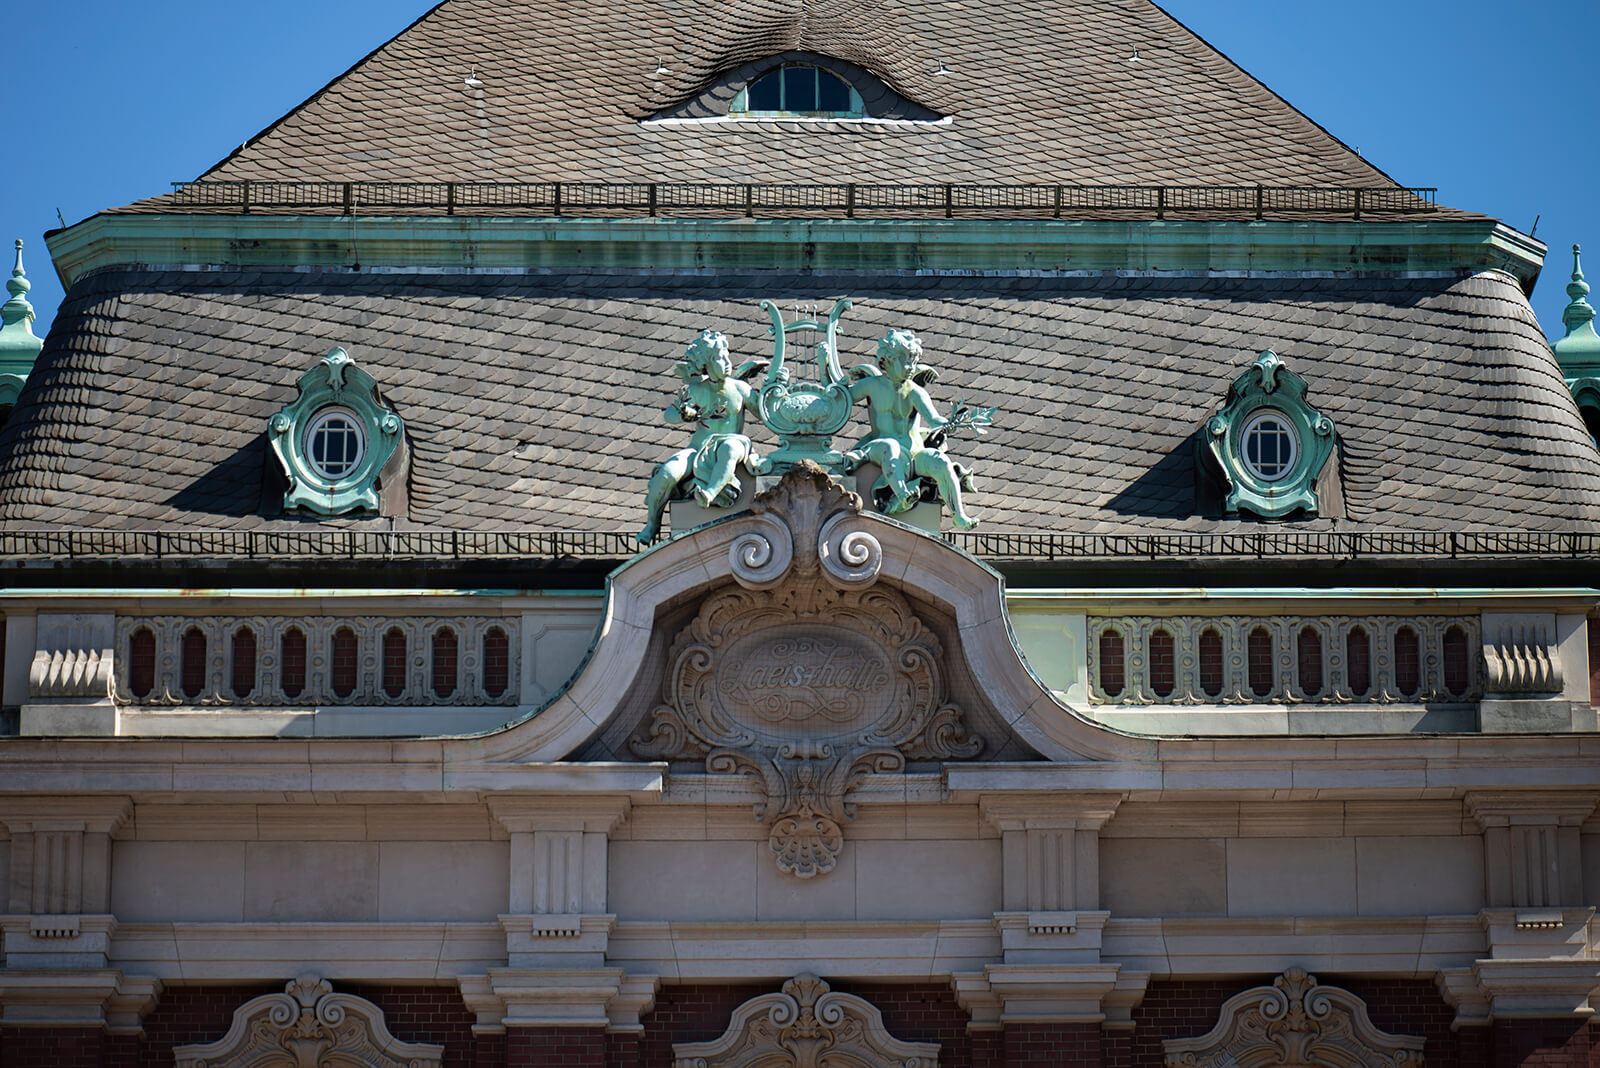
[19,547]
[848,200]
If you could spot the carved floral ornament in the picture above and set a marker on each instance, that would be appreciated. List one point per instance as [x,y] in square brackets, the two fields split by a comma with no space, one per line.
[1294,1023]
[806,1026]
[807,677]
[309,1026]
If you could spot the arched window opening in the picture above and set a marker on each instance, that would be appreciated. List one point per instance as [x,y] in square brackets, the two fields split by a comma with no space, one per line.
[342,656]
[1258,661]
[292,655]
[1211,662]
[1591,421]
[141,662]
[194,663]
[1112,673]
[1308,661]
[496,662]
[796,89]
[394,662]
[1457,666]
[1407,662]
[445,659]
[1358,661]
[244,662]
[1163,664]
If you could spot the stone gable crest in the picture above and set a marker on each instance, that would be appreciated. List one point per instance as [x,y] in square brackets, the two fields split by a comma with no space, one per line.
[309,1026]
[1294,1023]
[806,1026]
[809,676]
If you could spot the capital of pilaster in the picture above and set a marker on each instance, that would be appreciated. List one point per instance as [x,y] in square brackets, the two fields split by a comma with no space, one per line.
[92,815]
[559,997]
[529,813]
[1081,810]
[1508,808]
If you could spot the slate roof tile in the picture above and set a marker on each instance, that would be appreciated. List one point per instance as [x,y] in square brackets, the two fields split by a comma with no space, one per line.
[534,401]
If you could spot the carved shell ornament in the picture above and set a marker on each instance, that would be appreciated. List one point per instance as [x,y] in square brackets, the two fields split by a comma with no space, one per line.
[807,677]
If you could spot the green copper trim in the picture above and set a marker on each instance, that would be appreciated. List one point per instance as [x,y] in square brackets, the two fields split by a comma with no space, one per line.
[335,387]
[1269,484]
[966,246]
[1579,351]
[18,346]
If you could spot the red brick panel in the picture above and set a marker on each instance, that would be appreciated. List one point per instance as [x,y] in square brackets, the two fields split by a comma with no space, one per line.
[433,1014]
[1564,1043]
[565,1047]
[49,1047]
[1053,1045]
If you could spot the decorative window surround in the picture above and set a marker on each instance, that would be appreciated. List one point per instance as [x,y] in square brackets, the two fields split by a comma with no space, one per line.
[806,1026]
[1269,489]
[1284,630]
[338,397]
[1294,1021]
[308,1024]
[219,631]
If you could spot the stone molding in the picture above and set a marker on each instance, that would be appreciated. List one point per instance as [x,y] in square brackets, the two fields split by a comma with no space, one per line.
[1531,845]
[559,997]
[1522,653]
[59,941]
[806,677]
[1049,993]
[76,997]
[268,630]
[1294,1021]
[1332,631]
[73,656]
[808,1025]
[306,1026]
[1538,988]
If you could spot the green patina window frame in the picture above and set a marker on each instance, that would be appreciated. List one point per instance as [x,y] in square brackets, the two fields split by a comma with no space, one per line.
[335,383]
[1268,386]
[740,104]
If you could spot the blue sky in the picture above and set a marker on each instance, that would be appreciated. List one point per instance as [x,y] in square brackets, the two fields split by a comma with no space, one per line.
[108,101]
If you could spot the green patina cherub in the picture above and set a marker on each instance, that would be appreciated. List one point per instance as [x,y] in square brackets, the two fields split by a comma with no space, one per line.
[907,430]
[714,397]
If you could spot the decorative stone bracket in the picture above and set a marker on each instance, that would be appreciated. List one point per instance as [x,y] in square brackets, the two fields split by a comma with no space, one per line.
[70,678]
[1294,1021]
[307,1026]
[807,677]
[808,1025]
[76,997]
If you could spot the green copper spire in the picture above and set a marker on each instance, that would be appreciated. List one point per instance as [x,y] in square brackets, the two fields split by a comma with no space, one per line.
[18,346]
[1578,352]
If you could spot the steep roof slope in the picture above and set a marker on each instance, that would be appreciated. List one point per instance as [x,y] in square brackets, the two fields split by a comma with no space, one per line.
[1046,92]
[534,401]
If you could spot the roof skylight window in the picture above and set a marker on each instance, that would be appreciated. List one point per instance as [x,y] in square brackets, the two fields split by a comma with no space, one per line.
[798,90]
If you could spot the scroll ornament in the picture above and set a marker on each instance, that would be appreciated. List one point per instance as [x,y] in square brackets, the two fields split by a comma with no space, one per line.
[808,678]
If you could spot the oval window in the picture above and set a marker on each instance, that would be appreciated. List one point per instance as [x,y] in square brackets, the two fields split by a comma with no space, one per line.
[336,441]
[1270,445]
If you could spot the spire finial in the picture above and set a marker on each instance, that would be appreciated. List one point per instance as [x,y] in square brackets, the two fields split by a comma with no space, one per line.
[18,285]
[1579,313]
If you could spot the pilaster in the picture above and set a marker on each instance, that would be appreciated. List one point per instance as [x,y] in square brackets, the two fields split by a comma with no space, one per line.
[1531,846]
[59,891]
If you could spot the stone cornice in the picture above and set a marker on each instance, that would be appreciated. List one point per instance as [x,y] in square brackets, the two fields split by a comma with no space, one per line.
[963,246]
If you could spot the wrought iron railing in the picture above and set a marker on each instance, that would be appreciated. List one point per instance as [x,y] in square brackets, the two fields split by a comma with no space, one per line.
[25,546]
[847,200]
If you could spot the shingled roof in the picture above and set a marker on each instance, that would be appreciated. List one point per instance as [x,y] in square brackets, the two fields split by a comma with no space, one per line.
[1071,91]
[534,400]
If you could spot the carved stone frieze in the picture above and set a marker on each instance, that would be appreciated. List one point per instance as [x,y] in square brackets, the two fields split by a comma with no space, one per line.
[806,1026]
[1294,1023]
[73,657]
[309,1026]
[806,686]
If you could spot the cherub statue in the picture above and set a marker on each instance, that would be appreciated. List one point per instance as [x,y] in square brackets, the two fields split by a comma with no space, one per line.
[906,448]
[714,397]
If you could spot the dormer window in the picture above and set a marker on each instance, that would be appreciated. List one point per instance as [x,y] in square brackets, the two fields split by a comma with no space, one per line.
[1267,444]
[798,89]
